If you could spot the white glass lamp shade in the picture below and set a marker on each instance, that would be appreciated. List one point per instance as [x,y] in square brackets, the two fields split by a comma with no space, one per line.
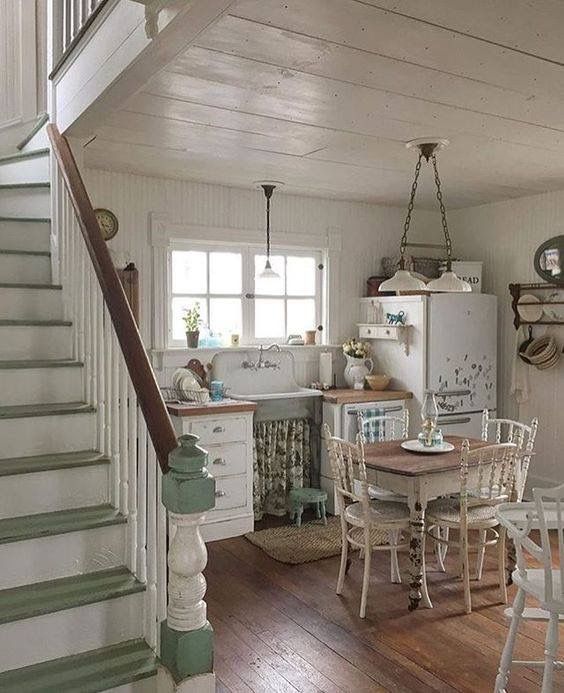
[448,282]
[403,281]
[268,272]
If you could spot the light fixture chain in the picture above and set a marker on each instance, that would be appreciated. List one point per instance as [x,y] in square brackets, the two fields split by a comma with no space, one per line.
[448,242]
[407,223]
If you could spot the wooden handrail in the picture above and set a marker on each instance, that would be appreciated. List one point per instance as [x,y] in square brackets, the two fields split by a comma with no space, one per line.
[136,359]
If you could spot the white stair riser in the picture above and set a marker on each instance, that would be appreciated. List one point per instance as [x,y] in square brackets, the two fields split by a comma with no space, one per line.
[25,235]
[39,141]
[32,342]
[30,304]
[25,269]
[148,685]
[69,632]
[61,555]
[25,202]
[63,489]
[34,170]
[41,385]
[45,434]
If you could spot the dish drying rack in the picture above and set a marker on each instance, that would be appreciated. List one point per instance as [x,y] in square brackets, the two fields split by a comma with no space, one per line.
[178,394]
[517,290]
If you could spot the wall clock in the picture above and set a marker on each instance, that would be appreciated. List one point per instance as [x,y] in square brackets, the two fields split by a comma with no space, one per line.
[108,223]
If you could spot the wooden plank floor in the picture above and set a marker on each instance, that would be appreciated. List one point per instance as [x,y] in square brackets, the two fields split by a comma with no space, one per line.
[283,628]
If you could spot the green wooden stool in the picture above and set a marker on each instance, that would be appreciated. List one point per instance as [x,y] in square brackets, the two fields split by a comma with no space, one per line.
[300,497]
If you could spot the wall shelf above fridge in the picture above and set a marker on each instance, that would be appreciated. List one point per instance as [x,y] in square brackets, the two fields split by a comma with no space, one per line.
[399,333]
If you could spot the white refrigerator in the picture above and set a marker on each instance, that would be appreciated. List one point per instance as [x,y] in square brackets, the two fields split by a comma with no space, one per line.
[449,346]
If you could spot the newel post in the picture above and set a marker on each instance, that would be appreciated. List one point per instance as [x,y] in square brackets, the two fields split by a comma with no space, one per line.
[188,492]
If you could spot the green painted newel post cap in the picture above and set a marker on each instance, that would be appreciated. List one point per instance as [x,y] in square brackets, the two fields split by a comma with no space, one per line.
[188,487]
[188,653]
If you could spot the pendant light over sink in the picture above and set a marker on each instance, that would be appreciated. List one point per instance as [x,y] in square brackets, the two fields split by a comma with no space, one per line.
[403,280]
[268,272]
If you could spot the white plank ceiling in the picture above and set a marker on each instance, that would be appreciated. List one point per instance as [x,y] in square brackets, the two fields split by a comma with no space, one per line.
[323,95]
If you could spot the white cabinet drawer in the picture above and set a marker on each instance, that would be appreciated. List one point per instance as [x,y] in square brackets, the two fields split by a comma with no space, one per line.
[367,331]
[230,492]
[227,459]
[222,430]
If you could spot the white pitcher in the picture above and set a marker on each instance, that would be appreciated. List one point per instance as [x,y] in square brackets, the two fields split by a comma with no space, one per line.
[357,369]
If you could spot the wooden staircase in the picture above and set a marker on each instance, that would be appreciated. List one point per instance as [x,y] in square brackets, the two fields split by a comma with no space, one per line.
[71,612]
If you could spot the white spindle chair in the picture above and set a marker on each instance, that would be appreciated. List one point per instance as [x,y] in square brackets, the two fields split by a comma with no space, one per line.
[359,515]
[378,429]
[496,430]
[492,474]
[545,585]
[509,431]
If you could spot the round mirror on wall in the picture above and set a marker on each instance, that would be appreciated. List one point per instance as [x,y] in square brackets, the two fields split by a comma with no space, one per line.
[549,260]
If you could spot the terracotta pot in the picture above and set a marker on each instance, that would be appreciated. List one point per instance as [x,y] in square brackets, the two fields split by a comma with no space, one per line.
[309,337]
[192,339]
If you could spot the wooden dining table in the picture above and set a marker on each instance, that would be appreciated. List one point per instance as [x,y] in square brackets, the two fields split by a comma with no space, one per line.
[420,477]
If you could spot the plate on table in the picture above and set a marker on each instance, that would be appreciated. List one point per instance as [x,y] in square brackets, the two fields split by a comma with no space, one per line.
[416,446]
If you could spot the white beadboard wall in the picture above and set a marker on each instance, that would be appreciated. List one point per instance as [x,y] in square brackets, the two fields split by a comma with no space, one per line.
[368,233]
[10,64]
[505,236]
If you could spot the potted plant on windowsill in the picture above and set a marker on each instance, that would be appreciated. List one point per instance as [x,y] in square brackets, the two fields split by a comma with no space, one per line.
[192,321]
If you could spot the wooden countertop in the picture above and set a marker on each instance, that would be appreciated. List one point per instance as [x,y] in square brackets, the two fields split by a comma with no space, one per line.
[358,396]
[225,406]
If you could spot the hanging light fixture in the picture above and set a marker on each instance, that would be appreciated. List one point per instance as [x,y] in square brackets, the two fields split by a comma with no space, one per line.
[268,272]
[403,280]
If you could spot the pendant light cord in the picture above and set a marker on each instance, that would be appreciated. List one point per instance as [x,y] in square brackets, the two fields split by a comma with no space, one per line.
[407,223]
[448,242]
[268,190]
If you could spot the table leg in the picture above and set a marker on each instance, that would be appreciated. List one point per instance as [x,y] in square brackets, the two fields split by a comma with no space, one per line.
[418,584]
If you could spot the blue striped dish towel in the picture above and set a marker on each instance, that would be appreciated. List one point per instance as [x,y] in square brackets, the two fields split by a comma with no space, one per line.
[369,424]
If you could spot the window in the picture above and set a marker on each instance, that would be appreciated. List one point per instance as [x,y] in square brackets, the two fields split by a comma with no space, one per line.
[233,298]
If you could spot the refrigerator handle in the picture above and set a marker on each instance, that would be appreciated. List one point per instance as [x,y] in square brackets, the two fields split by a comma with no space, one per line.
[452,393]
[459,420]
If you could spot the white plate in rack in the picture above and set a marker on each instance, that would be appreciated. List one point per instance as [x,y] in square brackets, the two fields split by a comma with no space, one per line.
[416,446]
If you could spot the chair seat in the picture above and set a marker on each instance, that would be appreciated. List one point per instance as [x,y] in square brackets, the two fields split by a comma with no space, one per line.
[307,495]
[533,583]
[447,510]
[381,513]
[382,494]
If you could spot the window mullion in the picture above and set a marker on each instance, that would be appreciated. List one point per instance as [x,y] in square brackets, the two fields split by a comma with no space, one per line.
[248,303]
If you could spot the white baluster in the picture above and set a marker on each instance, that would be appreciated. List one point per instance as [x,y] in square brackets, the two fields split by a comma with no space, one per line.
[123,434]
[132,475]
[142,501]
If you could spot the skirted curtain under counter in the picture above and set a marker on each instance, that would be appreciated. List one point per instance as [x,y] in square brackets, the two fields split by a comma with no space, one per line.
[282,461]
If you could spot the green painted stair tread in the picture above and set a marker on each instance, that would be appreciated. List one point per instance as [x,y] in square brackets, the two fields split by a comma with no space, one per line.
[24,186]
[32,154]
[88,672]
[40,363]
[41,220]
[21,411]
[48,463]
[48,597]
[31,253]
[35,323]
[59,522]
[27,285]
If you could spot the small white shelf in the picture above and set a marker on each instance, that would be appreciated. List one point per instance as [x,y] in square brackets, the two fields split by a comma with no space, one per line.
[398,333]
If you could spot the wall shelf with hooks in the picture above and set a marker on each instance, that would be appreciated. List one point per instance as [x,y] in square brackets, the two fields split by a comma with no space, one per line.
[518,291]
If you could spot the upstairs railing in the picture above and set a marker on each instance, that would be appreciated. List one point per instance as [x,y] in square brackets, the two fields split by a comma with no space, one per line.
[71,19]
[133,426]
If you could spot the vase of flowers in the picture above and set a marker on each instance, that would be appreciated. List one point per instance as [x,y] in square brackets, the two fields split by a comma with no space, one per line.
[192,321]
[359,364]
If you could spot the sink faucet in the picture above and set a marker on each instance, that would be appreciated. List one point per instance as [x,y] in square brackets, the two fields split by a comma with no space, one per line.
[262,362]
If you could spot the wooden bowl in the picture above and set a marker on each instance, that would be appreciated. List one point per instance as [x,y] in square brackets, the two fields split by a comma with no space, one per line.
[378,381]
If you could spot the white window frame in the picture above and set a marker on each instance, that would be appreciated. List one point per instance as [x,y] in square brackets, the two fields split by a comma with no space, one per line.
[166,234]
[247,296]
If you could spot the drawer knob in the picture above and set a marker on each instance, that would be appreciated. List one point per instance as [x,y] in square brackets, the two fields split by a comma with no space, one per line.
[220,494]
[219,460]
[219,429]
